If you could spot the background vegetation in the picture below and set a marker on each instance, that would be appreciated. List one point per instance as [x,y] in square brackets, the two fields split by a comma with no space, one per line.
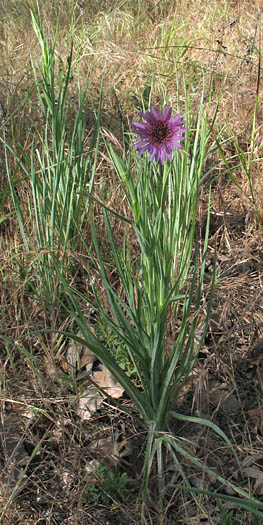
[140,50]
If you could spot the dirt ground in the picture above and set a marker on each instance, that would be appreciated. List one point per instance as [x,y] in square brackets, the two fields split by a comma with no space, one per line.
[58,467]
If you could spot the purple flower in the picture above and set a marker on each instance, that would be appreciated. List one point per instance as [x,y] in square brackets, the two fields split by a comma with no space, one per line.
[160,134]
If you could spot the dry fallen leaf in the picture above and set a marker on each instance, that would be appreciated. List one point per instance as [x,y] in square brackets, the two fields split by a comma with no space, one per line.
[94,382]
[104,379]
[92,397]
[79,356]
[90,401]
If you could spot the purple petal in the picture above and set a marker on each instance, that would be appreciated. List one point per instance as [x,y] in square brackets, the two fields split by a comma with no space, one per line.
[182,130]
[176,137]
[169,153]
[177,119]
[141,132]
[140,144]
[148,117]
[162,155]
[145,148]
[153,153]
[140,125]
[156,113]
[167,113]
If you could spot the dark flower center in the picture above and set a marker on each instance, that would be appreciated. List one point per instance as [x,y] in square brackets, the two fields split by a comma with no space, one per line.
[159,132]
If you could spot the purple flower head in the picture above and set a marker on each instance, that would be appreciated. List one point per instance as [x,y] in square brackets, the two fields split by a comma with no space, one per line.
[160,134]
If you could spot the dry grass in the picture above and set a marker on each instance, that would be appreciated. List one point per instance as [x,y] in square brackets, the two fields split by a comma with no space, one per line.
[136,45]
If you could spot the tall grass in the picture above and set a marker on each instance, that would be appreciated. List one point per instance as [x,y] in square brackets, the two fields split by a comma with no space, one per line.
[59,168]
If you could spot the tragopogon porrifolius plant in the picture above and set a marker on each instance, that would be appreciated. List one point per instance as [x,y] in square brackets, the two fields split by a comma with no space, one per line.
[161,188]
